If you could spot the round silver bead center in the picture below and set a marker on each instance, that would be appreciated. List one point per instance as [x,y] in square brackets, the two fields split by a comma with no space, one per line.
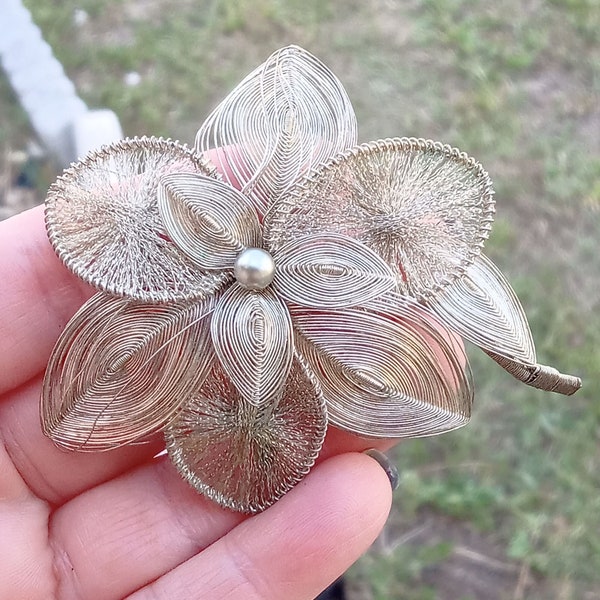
[254,268]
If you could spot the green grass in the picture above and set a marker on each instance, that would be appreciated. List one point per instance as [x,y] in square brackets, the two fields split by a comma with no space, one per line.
[392,575]
[516,84]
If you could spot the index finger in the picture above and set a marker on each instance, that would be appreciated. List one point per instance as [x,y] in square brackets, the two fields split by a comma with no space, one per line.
[38,295]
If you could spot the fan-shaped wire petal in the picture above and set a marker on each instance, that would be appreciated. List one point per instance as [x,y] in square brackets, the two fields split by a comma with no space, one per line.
[425,208]
[483,308]
[242,456]
[103,221]
[121,369]
[253,338]
[210,221]
[387,369]
[329,271]
[288,115]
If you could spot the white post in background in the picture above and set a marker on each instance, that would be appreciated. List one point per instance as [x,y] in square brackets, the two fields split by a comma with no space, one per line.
[63,122]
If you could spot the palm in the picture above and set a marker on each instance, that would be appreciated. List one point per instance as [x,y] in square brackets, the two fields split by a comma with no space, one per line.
[123,524]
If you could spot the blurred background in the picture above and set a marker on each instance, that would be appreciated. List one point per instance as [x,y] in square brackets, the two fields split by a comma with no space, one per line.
[509,507]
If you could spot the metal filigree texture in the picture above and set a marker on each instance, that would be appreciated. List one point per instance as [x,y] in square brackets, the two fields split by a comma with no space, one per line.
[424,207]
[121,369]
[387,368]
[253,338]
[331,287]
[210,222]
[287,116]
[330,271]
[103,221]
[244,456]
[483,308]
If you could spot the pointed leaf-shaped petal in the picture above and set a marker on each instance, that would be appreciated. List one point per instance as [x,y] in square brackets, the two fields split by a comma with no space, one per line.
[287,116]
[121,369]
[103,221]
[388,369]
[253,338]
[425,208]
[242,456]
[482,307]
[330,271]
[210,221]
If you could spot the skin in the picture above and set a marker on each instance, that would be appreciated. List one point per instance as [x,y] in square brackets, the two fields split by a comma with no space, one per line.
[123,524]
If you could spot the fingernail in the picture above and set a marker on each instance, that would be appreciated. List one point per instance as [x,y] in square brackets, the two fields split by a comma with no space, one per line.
[387,465]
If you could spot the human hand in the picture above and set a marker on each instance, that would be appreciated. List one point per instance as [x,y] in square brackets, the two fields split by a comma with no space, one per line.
[123,524]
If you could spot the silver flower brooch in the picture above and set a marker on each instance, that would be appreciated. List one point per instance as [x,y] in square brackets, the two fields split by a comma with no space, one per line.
[273,280]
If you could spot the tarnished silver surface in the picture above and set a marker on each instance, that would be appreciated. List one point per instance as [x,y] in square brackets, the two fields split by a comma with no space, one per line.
[424,207]
[121,369]
[330,270]
[253,337]
[386,368]
[287,116]
[243,456]
[483,308]
[330,287]
[103,221]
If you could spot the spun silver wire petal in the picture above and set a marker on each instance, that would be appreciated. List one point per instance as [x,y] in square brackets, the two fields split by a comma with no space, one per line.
[387,369]
[483,308]
[121,369]
[210,221]
[254,341]
[243,456]
[424,207]
[330,271]
[287,116]
[103,222]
